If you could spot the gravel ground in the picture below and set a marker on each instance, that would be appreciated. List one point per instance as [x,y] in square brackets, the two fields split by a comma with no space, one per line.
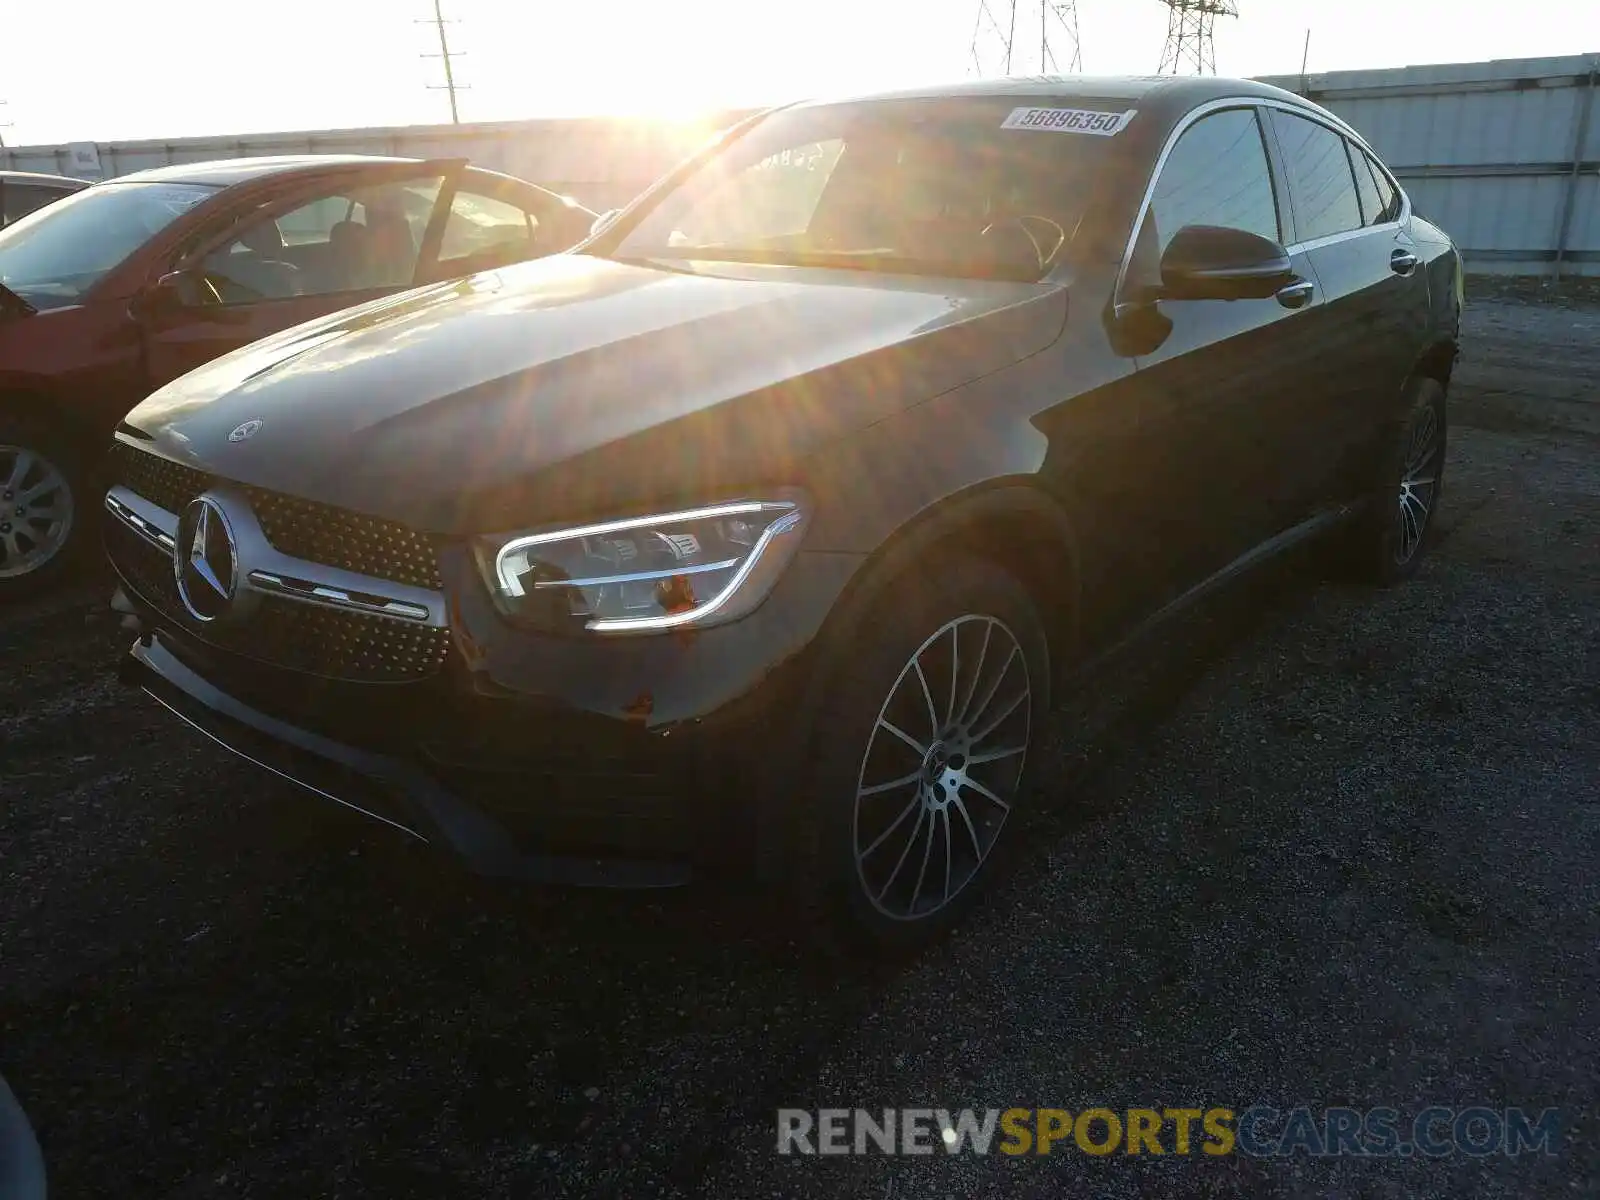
[1338,847]
[1532,356]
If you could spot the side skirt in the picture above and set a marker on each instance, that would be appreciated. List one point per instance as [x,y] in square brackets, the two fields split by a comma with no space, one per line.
[1268,551]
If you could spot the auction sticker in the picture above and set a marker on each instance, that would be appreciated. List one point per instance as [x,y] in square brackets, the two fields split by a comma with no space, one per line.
[1069,120]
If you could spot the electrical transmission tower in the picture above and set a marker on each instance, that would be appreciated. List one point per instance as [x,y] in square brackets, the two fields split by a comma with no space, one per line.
[1191,47]
[438,21]
[4,125]
[1026,37]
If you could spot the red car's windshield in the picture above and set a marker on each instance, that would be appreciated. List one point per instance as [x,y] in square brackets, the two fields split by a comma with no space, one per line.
[53,256]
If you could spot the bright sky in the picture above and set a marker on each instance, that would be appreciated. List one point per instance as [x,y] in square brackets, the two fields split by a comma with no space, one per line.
[87,70]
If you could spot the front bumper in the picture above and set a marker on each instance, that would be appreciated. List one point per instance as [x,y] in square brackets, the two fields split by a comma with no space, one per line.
[381,786]
[592,761]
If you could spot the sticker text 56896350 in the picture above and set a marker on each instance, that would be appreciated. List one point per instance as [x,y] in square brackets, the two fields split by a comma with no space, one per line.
[1069,120]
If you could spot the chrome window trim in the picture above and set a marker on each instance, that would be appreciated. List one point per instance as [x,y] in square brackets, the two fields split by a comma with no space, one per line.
[1194,115]
[264,569]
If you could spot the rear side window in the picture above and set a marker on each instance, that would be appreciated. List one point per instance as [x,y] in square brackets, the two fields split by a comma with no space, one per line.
[1325,200]
[1366,187]
[485,225]
[1217,174]
[1388,195]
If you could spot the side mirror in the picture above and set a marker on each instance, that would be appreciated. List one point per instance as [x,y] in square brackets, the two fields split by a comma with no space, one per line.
[174,290]
[603,220]
[1210,262]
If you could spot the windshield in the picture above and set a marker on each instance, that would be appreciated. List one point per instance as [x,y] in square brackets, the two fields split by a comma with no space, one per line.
[52,257]
[967,187]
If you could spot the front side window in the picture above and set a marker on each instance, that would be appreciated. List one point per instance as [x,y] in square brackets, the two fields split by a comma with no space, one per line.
[921,186]
[357,239]
[56,254]
[1325,200]
[1216,174]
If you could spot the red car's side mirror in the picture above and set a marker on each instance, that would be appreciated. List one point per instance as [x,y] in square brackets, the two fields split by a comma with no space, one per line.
[172,292]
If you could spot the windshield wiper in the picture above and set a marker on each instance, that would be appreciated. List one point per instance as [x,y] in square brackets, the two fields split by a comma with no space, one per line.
[9,300]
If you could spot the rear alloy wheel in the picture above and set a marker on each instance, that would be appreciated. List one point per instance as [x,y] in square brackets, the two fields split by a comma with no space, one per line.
[1419,484]
[39,518]
[1389,539]
[920,745]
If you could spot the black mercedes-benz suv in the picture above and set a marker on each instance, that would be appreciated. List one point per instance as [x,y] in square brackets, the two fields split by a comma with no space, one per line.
[772,518]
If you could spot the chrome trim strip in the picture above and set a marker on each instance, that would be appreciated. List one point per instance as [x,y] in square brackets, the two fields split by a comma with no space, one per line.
[315,593]
[1333,239]
[1322,118]
[151,522]
[266,570]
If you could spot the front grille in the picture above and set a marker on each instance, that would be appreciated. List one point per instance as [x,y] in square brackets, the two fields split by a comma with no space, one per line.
[159,480]
[319,533]
[287,633]
[338,537]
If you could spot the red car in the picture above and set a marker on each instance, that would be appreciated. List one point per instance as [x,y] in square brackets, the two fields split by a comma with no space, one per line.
[109,293]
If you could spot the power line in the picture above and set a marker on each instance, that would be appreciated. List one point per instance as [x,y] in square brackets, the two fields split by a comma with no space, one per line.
[1012,37]
[445,54]
[1191,47]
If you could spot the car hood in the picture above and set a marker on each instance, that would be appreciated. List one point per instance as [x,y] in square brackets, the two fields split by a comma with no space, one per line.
[577,384]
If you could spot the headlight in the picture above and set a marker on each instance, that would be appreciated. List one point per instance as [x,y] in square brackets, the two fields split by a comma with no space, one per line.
[700,566]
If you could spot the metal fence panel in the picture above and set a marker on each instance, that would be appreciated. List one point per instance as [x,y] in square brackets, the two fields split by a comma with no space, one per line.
[1504,155]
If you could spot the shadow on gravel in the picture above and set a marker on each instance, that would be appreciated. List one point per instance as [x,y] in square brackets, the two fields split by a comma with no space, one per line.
[324,1009]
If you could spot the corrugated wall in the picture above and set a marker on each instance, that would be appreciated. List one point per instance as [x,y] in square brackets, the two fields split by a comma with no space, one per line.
[602,162]
[1505,155]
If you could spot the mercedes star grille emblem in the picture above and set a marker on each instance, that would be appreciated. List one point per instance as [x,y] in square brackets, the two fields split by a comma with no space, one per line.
[207,560]
[246,430]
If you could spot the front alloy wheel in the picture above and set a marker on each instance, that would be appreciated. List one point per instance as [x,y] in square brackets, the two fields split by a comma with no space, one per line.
[931,688]
[942,767]
[36,511]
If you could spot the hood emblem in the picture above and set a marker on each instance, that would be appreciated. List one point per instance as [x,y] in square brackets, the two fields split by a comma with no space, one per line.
[247,430]
[207,560]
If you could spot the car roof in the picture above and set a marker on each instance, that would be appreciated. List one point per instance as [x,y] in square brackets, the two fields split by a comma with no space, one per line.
[225,172]
[1169,95]
[40,177]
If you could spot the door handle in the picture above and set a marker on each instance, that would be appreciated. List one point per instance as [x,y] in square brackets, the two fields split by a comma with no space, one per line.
[1295,295]
[1403,262]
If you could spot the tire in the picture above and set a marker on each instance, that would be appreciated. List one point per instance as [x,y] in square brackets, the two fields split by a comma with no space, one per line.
[1391,535]
[42,476]
[854,899]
